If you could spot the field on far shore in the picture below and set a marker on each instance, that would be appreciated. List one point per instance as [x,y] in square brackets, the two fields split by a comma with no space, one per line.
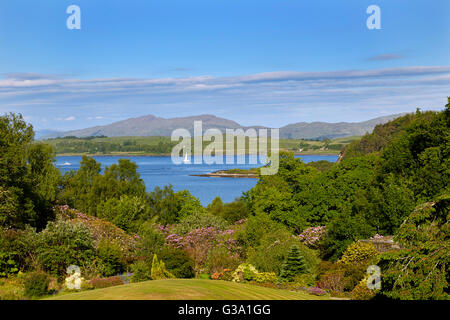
[187,289]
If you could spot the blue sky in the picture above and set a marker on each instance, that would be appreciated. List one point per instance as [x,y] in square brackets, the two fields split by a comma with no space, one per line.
[256,62]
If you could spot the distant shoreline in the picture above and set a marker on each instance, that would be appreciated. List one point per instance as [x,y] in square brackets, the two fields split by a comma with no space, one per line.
[168,154]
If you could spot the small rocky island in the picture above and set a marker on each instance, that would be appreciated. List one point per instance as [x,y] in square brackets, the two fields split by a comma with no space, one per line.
[233,173]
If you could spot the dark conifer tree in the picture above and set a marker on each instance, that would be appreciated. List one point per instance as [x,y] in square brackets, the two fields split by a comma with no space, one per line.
[294,265]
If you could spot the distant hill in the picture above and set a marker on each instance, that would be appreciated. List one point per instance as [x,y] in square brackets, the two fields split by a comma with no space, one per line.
[320,130]
[151,125]
[39,134]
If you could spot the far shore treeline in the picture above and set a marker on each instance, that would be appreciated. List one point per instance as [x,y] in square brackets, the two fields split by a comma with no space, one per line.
[298,229]
[95,145]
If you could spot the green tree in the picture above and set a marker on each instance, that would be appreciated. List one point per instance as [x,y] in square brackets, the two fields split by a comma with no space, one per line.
[294,265]
[28,178]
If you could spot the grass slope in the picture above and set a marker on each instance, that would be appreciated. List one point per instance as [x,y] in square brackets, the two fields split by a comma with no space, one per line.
[187,289]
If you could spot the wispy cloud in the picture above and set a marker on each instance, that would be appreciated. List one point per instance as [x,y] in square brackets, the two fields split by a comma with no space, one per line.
[386,57]
[271,98]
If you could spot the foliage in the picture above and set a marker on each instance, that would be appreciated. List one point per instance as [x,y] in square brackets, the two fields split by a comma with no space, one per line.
[225,274]
[293,265]
[361,291]
[7,264]
[338,277]
[141,271]
[312,236]
[199,242]
[12,288]
[101,230]
[199,220]
[220,257]
[110,255]
[126,212]
[316,291]
[36,284]
[266,277]
[231,212]
[358,252]
[273,250]
[420,269]
[98,283]
[169,206]
[86,188]
[63,243]
[177,262]
[159,271]
[244,272]
[28,177]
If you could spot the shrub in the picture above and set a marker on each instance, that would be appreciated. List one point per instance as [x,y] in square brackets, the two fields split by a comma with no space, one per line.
[273,250]
[63,243]
[177,262]
[12,289]
[36,284]
[244,272]
[420,269]
[293,265]
[101,230]
[312,236]
[98,283]
[141,271]
[7,264]
[111,259]
[332,281]
[305,280]
[220,258]
[358,252]
[159,270]
[226,275]
[199,220]
[338,277]
[266,277]
[361,291]
[316,291]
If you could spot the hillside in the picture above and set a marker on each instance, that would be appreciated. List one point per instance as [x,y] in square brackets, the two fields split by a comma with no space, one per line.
[151,125]
[187,289]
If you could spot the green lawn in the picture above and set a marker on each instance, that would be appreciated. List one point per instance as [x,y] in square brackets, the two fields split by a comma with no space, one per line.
[187,289]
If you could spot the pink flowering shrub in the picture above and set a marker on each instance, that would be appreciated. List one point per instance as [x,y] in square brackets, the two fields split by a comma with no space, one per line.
[377,237]
[101,230]
[198,244]
[311,236]
[316,291]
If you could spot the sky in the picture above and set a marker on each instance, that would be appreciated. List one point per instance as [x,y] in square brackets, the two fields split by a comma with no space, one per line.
[265,62]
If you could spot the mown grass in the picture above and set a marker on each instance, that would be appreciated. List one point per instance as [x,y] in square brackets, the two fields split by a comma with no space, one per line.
[187,289]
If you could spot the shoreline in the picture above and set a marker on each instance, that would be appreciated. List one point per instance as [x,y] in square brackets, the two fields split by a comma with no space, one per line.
[168,154]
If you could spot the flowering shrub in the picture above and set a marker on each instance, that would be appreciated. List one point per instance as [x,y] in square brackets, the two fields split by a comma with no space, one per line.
[101,230]
[106,282]
[199,242]
[226,274]
[245,272]
[311,236]
[316,291]
[377,237]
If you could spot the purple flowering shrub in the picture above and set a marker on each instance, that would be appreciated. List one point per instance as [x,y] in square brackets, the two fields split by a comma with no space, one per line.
[311,236]
[200,242]
[316,291]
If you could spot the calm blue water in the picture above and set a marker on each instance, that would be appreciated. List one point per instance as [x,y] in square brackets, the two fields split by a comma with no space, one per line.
[160,171]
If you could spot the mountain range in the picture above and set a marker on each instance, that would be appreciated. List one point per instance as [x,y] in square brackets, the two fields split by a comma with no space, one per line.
[151,125]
